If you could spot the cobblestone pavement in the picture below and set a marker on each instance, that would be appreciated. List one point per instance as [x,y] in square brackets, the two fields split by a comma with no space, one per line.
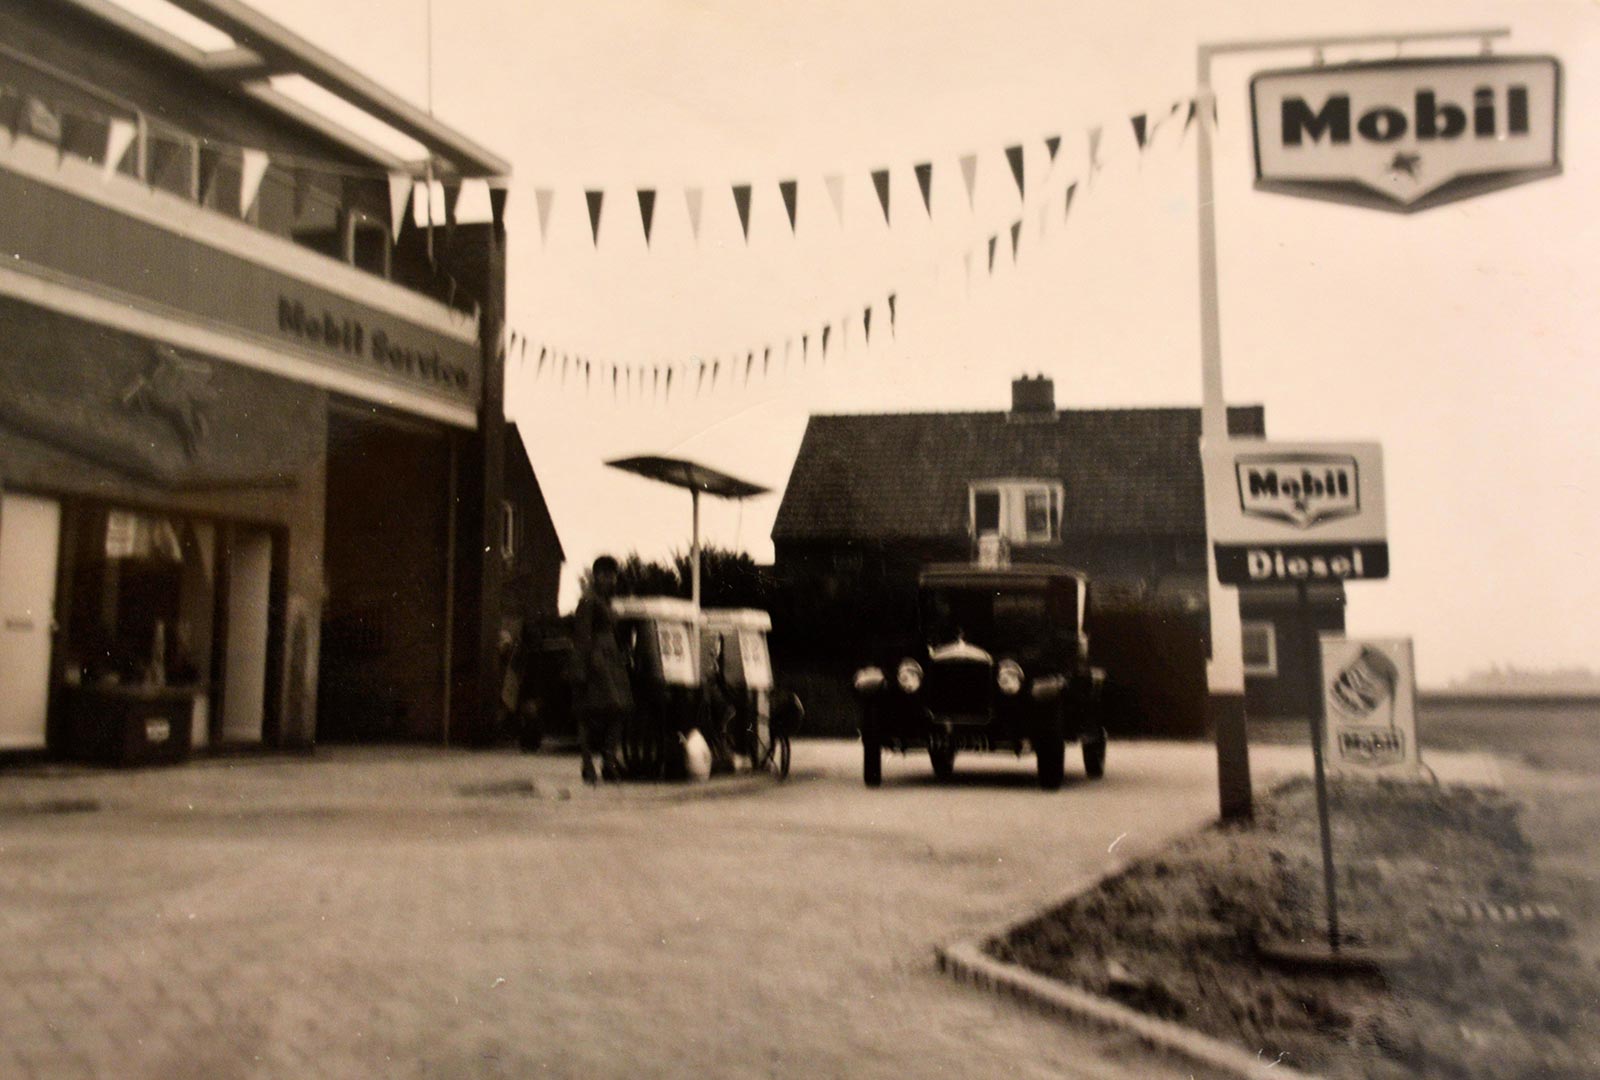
[436,913]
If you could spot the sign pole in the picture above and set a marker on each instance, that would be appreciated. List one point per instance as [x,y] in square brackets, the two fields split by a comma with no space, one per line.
[1318,737]
[1225,665]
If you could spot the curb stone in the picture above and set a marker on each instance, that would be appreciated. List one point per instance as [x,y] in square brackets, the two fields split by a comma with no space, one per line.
[966,962]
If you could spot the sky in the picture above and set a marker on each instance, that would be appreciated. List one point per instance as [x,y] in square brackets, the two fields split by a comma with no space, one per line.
[1463,338]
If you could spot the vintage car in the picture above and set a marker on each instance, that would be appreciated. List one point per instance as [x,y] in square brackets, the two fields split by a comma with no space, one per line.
[999,661]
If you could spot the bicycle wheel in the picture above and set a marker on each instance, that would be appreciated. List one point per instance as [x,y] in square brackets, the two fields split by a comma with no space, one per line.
[760,740]
[780,757]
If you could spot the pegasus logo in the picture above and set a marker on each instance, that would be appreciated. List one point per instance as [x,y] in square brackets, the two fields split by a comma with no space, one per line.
[178,390]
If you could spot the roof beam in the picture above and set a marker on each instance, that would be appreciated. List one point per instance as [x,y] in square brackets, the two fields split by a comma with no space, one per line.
[240,65]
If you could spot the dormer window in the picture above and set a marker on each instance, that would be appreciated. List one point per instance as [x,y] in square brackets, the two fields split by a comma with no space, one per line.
[1020,511]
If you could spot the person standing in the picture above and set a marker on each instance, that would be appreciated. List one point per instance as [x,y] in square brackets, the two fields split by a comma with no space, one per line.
[602,694]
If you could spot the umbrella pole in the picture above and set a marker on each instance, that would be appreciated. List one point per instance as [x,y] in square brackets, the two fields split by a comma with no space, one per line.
[694,549]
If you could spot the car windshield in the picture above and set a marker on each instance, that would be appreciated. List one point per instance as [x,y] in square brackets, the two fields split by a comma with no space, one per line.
[1005,621]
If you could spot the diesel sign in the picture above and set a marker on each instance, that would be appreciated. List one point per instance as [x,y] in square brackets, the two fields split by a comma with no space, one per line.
[1405,135]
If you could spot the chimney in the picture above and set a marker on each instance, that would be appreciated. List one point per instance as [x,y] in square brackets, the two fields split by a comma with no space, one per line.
[1033,398]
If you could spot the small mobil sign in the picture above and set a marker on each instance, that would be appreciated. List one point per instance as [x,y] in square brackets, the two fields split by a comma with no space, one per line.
[1369,706]
[1407,134]
[1287,513]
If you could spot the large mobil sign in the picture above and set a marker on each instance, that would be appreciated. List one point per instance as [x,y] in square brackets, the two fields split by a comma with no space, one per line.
[1296,512]
[1407,135]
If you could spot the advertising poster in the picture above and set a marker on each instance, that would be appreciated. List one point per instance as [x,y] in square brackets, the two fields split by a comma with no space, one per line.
[1369,702]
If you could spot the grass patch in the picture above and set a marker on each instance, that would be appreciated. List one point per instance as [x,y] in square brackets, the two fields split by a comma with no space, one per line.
[1483,980]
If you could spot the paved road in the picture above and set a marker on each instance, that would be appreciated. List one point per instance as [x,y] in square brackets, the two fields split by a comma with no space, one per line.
[448,914]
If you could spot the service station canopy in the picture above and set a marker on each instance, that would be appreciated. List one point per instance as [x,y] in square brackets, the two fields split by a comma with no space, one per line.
[689,474]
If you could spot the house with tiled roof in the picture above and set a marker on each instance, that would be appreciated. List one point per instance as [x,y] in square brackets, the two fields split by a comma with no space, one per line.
[1116,492]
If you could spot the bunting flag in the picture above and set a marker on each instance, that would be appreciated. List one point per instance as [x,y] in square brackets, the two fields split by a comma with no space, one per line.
[866,324]
[655,379]
[749,362]
[741,201]
[252,167]
[925,182]
[1014,156]
[969,173]
[1139,129]
[835,186]
[497,207]
[880,181]
[805,348]
[613,383]
[120,134]
[586,373]
[399,199]
[826,330]
[538,369]
[1071,190]
[891,314]
[1016,237]
[1052,143]
[691,196]
[647,211]
[595,199]
[993,240]
[565,359]
[766,359]
[667,394]
[543,198]
[701,381]
[791,194]
[1094,151]
[716,369]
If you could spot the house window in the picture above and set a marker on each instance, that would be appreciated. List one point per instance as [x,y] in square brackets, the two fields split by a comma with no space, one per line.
[510,528]
[1021,511]
[1260,648]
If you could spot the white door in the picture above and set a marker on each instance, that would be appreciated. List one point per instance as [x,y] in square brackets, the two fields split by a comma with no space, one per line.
[30,528]
[244,690]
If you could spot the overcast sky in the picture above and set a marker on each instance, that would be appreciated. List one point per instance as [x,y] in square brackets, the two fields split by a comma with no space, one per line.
[1464,338]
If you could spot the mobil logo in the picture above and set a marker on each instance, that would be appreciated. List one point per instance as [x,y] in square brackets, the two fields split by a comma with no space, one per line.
[1405,135]
[1301,489]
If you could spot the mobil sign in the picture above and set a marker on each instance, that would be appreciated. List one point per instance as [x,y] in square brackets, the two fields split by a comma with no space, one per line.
[1296,512]
[1406,135]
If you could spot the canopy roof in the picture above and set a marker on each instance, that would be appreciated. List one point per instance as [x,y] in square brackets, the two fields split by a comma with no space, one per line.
[688,474]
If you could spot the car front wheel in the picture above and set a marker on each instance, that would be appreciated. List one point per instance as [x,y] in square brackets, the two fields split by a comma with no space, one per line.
[944,762]
[1050,749]
[1094,754]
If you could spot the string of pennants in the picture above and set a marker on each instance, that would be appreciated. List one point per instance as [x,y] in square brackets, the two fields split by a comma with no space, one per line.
[659,380]
[697,375]
[1143,126]
[72,129]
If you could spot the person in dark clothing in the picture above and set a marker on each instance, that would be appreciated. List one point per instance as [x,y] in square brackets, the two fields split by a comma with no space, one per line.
[602,695]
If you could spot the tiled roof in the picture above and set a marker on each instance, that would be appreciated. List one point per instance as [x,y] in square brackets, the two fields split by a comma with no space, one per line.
[905,475]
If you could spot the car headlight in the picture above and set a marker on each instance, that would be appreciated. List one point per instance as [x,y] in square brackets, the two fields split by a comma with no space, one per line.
[909,676]
[1009,677]
[1048,686]
[868,679]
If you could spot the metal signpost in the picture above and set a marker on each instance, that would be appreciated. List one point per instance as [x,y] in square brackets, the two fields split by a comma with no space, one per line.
[1225,670]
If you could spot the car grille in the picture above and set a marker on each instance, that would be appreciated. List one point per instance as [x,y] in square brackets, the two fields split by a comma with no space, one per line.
[958,687]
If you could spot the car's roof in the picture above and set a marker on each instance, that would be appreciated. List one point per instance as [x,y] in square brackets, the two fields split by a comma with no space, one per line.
[998,577]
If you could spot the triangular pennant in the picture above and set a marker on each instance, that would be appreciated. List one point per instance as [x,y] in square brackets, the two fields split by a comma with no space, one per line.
[701,381]
[252,167]
[1215,122]
[565,360]
[805,348]
[587,372]
[1016,237]
[119,136]
[1052,143]
[1014,156]
[1139,129]
[826,330]
[1188,120]
[543,198]
[835,186]
[925,182]
[1072,189]
[691,196]
[399,198]
[716,369]
[613,384]
[538,369]
[866,324]
[766,359]
[891,314]
[497,206]
[749,362]
[969,174]
[994,239]
[741,201]
[880,181]
[667,389]
[1094,152]
[647,211]
[596,200]
[791,196]
[655,379]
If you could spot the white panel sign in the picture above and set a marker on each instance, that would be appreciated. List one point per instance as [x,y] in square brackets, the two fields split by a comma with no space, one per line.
[1369,703]
[1291,512]
[1405,135]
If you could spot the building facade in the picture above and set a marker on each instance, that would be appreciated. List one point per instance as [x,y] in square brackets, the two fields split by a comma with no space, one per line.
[253,453]
[1114,492]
